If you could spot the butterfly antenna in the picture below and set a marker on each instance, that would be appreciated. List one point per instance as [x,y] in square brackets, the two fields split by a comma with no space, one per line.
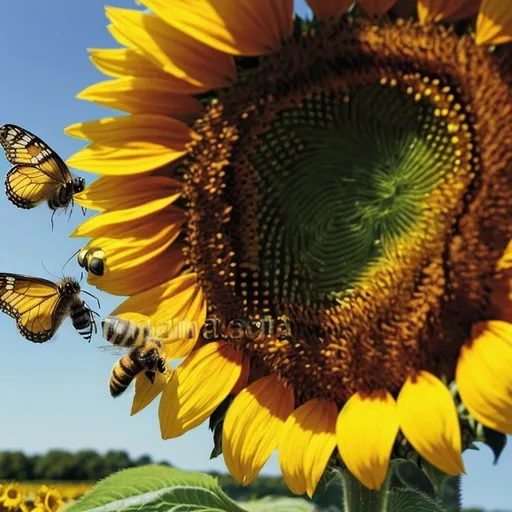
[81,273]
[84,211]
[51,273]
[94,297]
[64,266]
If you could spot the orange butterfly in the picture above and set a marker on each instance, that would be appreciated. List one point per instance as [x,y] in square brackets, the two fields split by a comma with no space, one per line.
[40,306]
[39,174]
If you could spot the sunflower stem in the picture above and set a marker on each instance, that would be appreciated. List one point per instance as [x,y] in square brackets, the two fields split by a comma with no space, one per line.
[357,497]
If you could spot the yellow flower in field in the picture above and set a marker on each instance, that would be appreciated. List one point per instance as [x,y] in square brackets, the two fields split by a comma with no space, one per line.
[349,176]
[49,498]
[12,498]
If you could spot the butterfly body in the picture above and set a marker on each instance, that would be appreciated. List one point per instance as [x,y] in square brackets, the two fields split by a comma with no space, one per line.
[40,306]
[39,174]
[145,357]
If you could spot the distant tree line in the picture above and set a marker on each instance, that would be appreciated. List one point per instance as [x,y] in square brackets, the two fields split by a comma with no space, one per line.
[84,465]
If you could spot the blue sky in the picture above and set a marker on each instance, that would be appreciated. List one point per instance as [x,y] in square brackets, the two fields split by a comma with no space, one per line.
[55,395]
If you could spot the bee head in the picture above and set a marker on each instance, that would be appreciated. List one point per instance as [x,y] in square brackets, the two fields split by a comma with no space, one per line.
[81,257]
[78,185]
[68,287]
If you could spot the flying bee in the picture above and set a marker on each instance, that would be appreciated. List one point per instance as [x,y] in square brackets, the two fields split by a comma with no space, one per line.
[92,260]
[39,174]
[124,333]
[146,357]
[40,306]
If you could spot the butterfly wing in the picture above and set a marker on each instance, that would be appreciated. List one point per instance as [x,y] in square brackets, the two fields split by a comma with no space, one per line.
[38,171]
[26,187]
[35,303]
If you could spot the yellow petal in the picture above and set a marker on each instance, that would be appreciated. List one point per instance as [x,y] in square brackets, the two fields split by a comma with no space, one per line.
[130,270]
[117,193]
[308,442]
[128,63]
[178,348]
[325,9]
[198,386]
[505,262]
[500,300]
[365,433]
[483,375]
[428,418]
[494,22]
[173,51]
[165,327]
[143,96]
[467,9]
[243,380]
[376,8]
[434,11]
[146,392]
[130,144]
[254,426]
[103,223]
[118,34]
[179,300]
[251,27]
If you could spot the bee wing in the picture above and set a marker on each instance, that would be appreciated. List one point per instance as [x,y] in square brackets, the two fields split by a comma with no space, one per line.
[114,350]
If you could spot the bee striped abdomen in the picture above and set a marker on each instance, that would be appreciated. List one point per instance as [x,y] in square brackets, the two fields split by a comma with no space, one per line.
[123,373]
[123,332]
[62,196]
[82,319]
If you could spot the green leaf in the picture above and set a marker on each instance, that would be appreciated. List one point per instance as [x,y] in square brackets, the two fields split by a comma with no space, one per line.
[270,504]
[156,488]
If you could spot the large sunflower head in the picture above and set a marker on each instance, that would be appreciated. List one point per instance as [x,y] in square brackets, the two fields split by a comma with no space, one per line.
[331,200]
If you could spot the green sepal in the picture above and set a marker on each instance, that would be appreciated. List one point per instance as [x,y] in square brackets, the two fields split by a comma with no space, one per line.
[496,441]
[216,423]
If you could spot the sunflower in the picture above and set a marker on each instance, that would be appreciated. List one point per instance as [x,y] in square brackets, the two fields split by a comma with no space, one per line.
[347,175]
[48,499]
[12,498]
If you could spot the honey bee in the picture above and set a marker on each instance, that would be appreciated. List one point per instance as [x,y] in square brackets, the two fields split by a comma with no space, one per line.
[92,260]
[145,357]
[145,354]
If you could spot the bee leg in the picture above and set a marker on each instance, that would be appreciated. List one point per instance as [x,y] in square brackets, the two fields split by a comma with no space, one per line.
[150,376]
[51,220]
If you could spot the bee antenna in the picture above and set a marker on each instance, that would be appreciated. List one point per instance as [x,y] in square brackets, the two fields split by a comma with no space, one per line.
[51,273]
[64,266]
[94,297]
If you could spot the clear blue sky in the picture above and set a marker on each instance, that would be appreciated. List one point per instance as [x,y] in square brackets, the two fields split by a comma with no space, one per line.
[55,395]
